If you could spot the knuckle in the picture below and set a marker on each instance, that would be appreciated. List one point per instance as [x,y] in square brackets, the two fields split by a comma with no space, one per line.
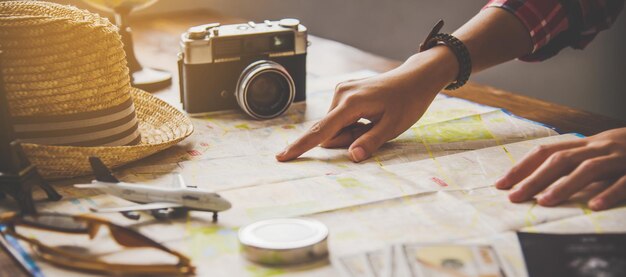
[352,100]
[590,165]
[595,147]
[613,145]
[342,87]
[312,133]
[607,145]
[560,158]
[541,150]
[316,127]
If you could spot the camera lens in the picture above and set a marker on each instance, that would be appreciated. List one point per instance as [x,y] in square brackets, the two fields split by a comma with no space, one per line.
[265,90]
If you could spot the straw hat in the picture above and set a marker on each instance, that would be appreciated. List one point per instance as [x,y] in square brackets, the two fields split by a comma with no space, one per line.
[69,91]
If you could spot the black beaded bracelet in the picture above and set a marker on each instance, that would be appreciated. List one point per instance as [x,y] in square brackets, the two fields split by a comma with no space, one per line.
[457,47]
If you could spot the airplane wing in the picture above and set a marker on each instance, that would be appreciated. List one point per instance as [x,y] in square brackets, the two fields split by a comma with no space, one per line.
[141,207]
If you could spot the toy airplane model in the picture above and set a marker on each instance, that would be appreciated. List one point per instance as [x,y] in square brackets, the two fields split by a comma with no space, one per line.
[162,202]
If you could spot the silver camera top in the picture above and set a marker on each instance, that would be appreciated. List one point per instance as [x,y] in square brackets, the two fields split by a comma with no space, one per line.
[214,43]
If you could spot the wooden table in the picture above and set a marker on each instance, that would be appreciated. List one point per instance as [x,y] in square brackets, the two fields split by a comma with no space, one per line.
[156,44]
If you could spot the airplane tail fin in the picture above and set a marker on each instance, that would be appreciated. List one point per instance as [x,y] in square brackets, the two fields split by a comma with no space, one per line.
[102,172]
[179,182]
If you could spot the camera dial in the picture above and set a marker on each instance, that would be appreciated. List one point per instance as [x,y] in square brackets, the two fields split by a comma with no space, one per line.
[265,90]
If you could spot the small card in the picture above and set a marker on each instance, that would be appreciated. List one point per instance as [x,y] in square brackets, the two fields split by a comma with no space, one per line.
[381,261]
[427,260]
[355,265]
[574,255]
[424,260]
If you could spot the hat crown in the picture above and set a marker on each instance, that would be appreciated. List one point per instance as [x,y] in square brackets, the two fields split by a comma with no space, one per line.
[66,76]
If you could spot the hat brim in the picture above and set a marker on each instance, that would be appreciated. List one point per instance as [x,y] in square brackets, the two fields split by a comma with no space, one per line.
[160,125]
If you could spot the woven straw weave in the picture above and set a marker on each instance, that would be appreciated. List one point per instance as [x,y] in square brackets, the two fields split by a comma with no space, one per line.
[160,125]
[60,59]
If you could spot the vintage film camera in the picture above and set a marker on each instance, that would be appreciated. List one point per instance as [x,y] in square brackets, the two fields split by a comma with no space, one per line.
[260,67]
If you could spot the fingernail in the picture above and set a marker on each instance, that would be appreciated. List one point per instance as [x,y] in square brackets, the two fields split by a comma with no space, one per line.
[500,182]
[546,199]
[597,204]
[358,154]
[514,195]
[281,154]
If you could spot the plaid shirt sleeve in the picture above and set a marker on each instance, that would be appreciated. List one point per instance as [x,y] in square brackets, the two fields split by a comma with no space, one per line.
[556,24]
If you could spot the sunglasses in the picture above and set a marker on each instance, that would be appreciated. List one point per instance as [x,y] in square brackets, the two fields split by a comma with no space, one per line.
[90,225]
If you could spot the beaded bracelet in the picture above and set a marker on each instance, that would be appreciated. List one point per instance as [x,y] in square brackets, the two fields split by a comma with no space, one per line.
[458,48]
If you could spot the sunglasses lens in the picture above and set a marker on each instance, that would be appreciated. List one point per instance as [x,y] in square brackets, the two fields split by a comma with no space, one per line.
[57,222]
[66,249]
[129,238]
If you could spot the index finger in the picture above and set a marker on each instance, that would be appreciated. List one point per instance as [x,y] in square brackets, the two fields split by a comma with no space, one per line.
[321,131]
[532,161]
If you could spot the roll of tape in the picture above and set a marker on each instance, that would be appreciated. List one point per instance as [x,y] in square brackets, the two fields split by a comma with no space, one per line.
[284,241]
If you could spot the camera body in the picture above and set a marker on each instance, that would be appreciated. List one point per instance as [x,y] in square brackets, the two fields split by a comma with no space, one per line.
[259,67]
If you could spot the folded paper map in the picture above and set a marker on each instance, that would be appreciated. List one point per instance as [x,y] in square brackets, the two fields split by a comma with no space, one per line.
[434,183]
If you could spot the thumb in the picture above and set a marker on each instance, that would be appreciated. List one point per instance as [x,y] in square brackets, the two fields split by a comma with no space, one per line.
[363,147]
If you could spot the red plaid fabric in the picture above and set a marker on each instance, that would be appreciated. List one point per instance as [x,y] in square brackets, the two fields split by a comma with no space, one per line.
[556,24]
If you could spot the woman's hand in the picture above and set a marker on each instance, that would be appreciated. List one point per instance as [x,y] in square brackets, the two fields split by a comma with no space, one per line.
[392,102]
[556,172]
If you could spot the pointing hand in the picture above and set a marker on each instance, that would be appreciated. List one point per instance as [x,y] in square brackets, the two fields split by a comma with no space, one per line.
[392,102]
